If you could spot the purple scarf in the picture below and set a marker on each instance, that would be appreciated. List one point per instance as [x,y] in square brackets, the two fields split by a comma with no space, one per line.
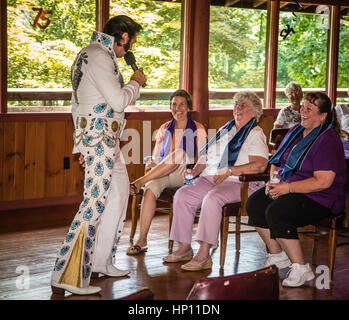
[188,143]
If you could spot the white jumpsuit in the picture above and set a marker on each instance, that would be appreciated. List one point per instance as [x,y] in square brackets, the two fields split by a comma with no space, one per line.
[98,103]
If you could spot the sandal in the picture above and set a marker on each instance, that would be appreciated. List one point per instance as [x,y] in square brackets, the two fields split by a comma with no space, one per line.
[133,190]
[135,250]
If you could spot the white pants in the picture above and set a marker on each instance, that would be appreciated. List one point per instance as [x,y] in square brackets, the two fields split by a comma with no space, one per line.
[95,231]
[113,220]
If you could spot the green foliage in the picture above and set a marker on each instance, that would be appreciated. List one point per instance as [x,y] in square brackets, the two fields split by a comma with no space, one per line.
[158,46]
[343,59]
[302,55]
[42,58]
[237,48]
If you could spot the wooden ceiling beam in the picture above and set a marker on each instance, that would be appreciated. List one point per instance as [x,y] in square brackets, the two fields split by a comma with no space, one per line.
[229,3]
[284,4]
[256,4]
[324,2]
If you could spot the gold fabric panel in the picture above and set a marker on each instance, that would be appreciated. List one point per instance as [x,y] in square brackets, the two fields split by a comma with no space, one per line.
[72,272]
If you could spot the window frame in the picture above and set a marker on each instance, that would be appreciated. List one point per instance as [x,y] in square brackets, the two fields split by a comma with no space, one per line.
[188,6]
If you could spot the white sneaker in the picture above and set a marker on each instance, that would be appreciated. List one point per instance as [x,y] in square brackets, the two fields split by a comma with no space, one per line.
[298,275]
[281,260]
[111,271]
[59,288]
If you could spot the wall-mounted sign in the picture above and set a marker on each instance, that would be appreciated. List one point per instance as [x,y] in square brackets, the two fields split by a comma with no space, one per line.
[41,16]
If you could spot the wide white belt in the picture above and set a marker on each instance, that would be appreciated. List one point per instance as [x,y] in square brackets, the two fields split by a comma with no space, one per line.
[90,130]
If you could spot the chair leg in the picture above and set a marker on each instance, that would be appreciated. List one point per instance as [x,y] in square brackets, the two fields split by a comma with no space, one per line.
[237,232]
[170,242]
[134,216]
[244,197]
[314,251]
[346,218]
[224,238]
[332,243]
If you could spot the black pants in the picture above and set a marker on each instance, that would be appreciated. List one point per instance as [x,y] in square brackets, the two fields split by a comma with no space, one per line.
[285,214]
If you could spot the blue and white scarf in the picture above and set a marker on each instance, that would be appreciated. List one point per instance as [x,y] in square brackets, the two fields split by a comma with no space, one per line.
[233,147]
[299,151]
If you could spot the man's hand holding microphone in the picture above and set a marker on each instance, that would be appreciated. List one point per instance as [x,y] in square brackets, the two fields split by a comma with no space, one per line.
[139,77]
[138,73]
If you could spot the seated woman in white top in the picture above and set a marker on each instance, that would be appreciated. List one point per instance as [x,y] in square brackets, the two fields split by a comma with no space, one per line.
[238,147]
[290,116]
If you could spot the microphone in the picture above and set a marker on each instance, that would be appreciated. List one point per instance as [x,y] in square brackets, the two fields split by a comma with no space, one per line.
[131,61]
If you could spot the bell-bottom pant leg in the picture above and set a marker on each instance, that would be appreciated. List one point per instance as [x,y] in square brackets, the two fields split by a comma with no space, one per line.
[112,222]
[76,256]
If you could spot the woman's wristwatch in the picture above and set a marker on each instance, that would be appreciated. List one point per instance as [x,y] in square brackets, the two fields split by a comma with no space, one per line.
[230,171]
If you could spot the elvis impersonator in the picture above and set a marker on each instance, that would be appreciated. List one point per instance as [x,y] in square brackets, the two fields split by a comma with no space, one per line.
[98,103]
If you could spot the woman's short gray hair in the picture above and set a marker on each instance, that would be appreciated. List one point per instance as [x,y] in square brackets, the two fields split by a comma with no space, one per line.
[293,86]
[256,102]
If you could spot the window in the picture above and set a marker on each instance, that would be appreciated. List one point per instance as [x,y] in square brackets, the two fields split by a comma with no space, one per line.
[236,53]
[44,37]
[302,52]
[157,49]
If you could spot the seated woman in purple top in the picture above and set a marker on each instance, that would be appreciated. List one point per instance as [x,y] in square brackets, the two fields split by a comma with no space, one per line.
[311,164]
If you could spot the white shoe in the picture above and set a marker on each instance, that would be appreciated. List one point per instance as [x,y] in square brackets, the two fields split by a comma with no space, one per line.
[111,271]
[59,288]
[298,275]
[281,260]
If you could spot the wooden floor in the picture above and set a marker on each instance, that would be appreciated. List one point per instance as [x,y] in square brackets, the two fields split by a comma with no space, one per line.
[35,253]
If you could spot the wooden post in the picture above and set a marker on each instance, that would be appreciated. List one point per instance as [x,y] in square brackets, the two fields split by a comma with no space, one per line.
[332,54]
[272,53]
[102,13]
[187,45]
[3,56]
[195,77]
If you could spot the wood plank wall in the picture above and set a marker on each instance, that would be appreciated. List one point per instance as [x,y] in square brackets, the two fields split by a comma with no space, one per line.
[32,160]
[35,190]
[32,153]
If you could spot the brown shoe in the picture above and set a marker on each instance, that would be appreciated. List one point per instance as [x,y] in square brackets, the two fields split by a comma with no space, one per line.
[135,250]
[197,266]
[183,257]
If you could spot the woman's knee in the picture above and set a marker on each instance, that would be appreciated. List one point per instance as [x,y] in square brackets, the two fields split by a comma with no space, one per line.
[256,204]
[153,187]
[277,217]
[180,195]
[212,200]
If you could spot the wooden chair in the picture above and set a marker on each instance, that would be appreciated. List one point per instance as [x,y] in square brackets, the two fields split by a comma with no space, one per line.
[275,138]
[166,201]
[332,225]
[262,284]
[237,210]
